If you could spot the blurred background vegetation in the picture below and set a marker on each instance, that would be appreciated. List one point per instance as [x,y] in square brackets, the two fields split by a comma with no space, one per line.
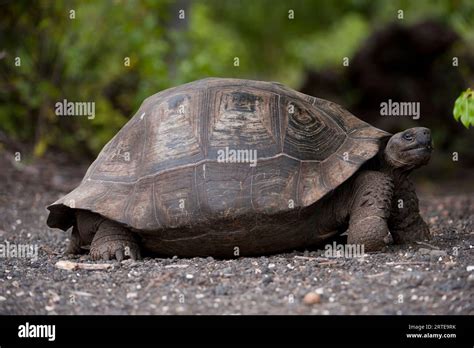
[299,43]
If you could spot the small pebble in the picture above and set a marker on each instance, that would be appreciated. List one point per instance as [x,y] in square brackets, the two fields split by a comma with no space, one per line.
[312,298]
[132,295]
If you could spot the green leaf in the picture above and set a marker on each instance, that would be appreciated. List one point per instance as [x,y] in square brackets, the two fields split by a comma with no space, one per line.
[464,108]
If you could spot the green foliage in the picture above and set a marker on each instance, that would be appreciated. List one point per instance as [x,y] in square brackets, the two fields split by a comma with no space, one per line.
[464,108]
[318,49]
[82,59]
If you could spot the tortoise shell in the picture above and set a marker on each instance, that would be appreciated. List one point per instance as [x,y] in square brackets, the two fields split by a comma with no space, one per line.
[164,168]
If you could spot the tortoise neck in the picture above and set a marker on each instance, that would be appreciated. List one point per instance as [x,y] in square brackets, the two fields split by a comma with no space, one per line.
[397,174]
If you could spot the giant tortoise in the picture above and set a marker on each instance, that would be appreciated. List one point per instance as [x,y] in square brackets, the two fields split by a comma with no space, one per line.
[227,167]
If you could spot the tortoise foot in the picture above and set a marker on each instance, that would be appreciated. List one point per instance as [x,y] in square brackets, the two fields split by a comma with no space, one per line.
[417,231]
[372,233]
[113,241]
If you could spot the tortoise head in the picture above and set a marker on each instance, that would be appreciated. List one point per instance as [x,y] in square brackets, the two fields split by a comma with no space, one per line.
[409,149]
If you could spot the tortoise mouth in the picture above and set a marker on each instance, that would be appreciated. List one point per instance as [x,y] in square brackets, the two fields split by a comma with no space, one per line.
[417,148]
[421,152]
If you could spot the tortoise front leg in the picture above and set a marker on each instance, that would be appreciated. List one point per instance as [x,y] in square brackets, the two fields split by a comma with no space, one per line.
[405,222]
[370,209]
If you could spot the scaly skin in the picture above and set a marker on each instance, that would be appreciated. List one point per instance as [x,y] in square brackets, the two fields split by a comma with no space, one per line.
[112,240]
[370,209]
[405,222]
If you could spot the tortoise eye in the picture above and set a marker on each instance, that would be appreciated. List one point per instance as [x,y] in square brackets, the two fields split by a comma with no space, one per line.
[408,136]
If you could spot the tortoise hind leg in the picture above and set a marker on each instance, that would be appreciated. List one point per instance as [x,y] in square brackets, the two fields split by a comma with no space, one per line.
[112,240]
[370,210]
[83,231]
[75,243]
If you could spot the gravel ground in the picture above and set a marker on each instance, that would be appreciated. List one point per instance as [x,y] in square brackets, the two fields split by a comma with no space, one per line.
[434,278]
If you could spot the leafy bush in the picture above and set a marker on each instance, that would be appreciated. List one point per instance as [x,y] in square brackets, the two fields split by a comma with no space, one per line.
[82,58]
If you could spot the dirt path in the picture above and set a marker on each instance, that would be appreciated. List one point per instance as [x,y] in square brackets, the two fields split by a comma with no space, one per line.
[420,279]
